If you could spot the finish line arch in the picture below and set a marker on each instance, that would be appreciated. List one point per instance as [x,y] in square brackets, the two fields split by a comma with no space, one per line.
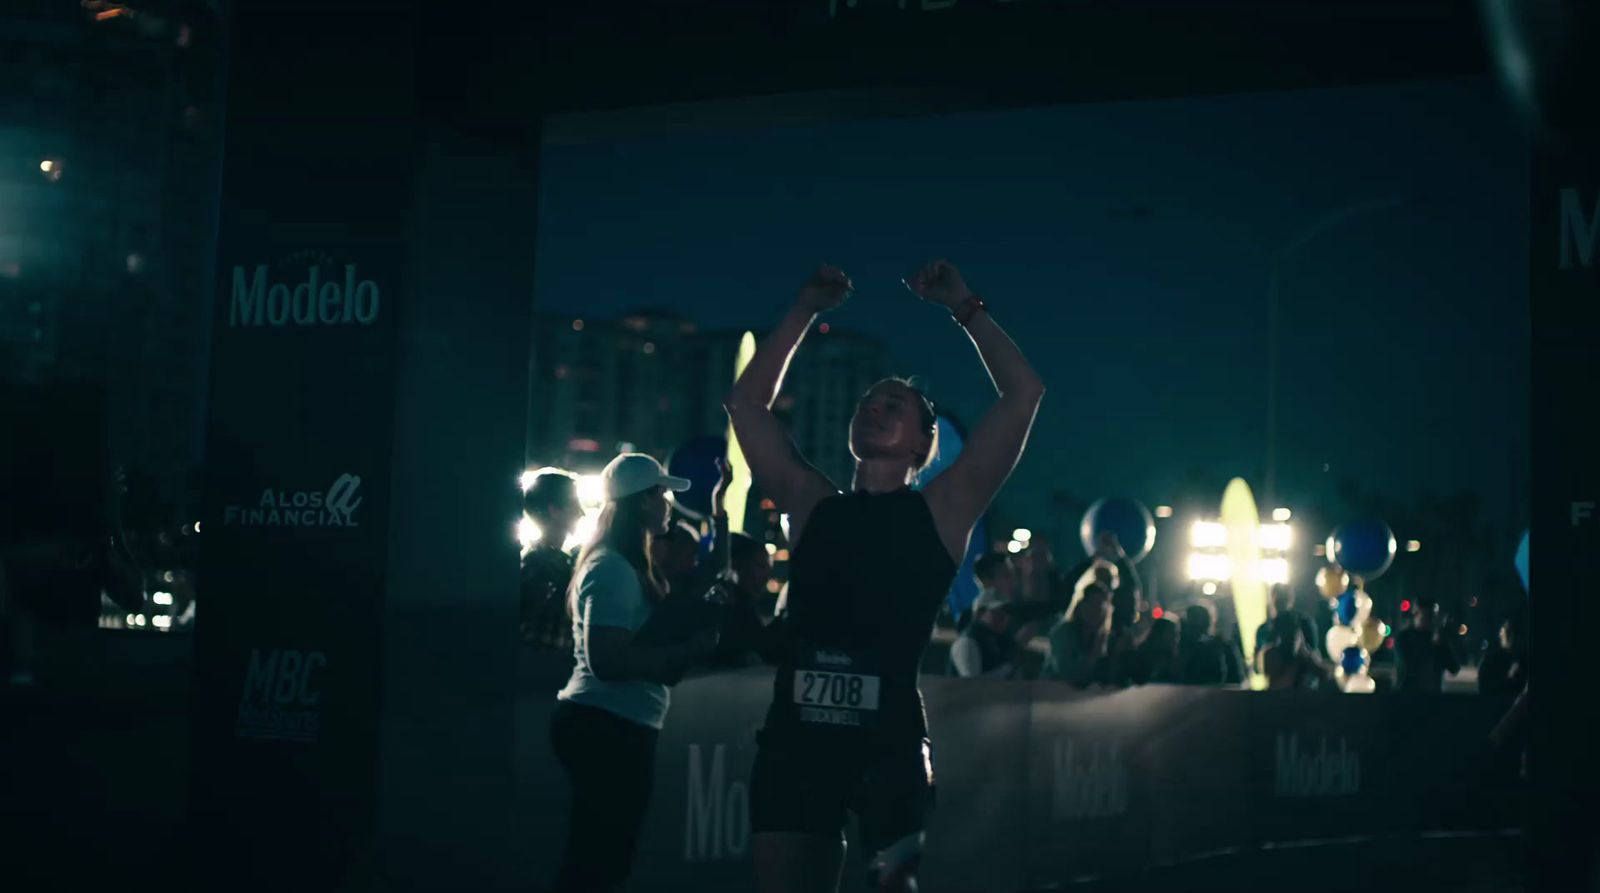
[369,147]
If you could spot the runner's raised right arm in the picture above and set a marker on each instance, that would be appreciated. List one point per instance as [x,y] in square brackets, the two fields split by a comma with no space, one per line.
[792,482]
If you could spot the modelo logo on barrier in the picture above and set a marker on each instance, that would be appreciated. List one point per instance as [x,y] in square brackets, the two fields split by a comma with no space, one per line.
[315,300]
[300,508]
[716,824]
[1088,785]
[1324,772]
[282,696]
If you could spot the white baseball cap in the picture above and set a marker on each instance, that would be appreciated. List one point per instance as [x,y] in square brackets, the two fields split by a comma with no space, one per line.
[632,473]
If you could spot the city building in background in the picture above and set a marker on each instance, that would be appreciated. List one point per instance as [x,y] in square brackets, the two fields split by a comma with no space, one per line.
[600,387]
[652,380]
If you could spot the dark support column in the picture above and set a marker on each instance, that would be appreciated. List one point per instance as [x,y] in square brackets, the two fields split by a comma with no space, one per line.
[355,664]
[1564,709]
[445,785]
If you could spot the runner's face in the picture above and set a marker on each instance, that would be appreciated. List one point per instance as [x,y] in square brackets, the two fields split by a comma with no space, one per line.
[888,425]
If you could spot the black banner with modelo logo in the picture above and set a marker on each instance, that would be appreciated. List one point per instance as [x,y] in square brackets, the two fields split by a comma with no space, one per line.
[1039,784]
[313,234]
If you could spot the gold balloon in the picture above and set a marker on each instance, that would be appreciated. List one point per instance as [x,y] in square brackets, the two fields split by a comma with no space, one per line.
[1332,580]
[1372,634]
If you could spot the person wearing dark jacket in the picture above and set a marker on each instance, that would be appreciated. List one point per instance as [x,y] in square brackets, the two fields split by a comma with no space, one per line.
[1205,659]
[1504,670]
[745,632]
[991,643]
[551,503]
[1424,653]
[1155,660]
[1284,622]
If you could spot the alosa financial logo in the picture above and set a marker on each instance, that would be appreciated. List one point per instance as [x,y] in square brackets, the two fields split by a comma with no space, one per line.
[1324,772]
[319,293]
[282,698]
[300,508]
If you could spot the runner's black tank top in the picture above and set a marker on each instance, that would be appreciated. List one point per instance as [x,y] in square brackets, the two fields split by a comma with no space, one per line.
[865,585]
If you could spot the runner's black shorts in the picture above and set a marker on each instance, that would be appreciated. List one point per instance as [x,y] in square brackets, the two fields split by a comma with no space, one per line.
[806,783]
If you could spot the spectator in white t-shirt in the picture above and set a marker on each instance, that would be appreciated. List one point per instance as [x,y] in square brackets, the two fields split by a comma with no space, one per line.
[611,710]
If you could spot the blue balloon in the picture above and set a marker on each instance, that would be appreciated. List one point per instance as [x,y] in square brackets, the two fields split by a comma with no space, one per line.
[1127,518]
[1521,560]
[696,460]
[1365,548]
[1346,608]
[964,589]
[1353,660]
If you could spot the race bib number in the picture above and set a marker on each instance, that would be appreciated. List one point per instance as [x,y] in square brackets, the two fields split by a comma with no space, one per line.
[830,689]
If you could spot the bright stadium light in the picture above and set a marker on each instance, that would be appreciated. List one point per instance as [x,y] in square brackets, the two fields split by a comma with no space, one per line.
[526,480]
[1281,514]
[1208,535]
[582,532]
[1013,547]
[591,490]
[528,533]
[1022,535]
[1275,537]
[1274,570]
[161,598]
[1203,566]
[1163,511]
[1209,588]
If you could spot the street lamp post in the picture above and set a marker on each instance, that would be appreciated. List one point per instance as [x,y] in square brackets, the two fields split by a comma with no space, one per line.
[1331,220]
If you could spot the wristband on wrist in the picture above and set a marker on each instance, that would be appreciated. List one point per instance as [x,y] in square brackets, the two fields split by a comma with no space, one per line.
[966,310]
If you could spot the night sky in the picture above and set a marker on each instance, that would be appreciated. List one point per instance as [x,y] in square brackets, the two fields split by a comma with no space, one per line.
[1126,247]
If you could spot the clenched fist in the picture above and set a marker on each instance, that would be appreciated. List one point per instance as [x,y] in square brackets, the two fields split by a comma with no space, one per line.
[939,283]
[825,290]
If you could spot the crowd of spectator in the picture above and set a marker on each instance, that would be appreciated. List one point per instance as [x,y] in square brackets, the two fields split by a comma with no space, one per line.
[1091,627]
[1088,625]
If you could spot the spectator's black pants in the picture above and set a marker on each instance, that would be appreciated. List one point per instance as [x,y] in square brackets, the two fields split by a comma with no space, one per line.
[611,762]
